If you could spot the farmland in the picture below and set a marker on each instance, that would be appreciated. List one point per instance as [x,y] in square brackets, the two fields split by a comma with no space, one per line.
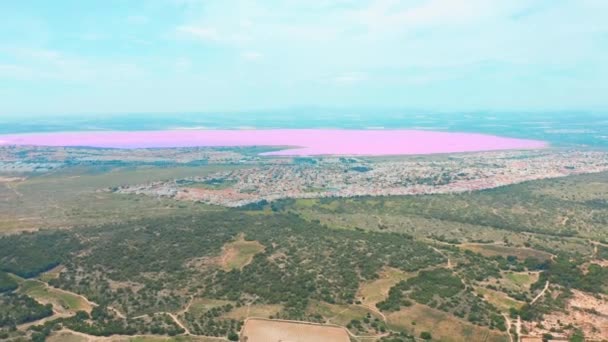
[262,331]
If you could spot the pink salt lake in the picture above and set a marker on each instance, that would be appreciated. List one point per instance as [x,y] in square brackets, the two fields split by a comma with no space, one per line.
[301,142]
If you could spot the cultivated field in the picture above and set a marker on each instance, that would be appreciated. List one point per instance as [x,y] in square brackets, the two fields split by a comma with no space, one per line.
[257,330]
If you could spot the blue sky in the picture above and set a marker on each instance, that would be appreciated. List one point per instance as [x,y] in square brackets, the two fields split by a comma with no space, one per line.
[117,56]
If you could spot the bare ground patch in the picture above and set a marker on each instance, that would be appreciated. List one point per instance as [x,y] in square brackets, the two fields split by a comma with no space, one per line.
[583,310]
[443,326]
[257,330]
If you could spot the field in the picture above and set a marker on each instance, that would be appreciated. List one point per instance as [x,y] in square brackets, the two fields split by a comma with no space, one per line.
[442,326]
[238,254]
[201,305]
[255,310]
[63,302]
[499,299]
[490,250]
[257,330]
[341,314]
[69,197]
[520,280]
[376,290]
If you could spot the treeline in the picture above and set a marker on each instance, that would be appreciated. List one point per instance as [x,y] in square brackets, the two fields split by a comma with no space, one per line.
[568,273]
[30,254]
[17,309]
[102,322]
[7,283]
[210,323]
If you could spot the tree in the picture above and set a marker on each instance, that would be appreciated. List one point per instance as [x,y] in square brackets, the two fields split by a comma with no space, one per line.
[425,335]
[232,336]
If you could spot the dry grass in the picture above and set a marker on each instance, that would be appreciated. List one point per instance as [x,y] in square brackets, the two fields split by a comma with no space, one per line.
[499,299]
[51,274]
[375,291]
[256,330]
[339,314]
[69,197]
[256,310]
[491,250]
[63,302]
[238,254]
[520,281]
[66,336]
[201,305]
[442,326]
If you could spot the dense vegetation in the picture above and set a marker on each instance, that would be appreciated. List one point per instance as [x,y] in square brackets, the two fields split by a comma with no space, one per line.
[18,309]
[7,283]
[569,274]
[301,261]
[36,252]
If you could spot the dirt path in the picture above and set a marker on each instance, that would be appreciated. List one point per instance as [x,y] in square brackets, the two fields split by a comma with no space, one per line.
[508,320]
[374,310]
[518,329]
[595,247]
[85,299]
[13,189]
[173,317]
[118,313]
[449,263]
[54,316]
[538,296]
[187,331]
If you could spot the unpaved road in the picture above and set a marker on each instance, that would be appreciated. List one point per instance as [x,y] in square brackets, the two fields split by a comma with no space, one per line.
[542,293]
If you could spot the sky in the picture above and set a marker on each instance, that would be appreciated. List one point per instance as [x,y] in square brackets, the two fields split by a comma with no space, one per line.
[120,56]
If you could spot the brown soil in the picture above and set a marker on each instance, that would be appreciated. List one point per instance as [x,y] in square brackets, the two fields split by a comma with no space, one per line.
[258,330]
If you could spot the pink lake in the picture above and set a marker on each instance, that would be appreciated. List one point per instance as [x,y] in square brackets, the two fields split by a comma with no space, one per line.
[304,142]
